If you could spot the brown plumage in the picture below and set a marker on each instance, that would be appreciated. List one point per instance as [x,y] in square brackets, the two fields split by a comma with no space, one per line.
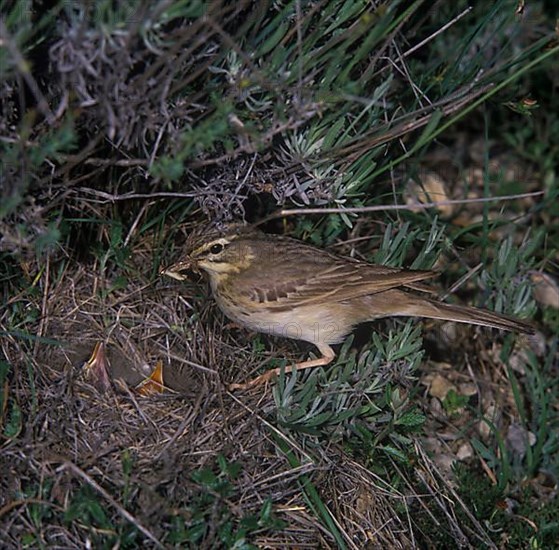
[281,286]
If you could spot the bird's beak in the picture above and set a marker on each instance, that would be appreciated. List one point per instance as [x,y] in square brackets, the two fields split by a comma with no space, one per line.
[153,384]
[178,270]
[96,368]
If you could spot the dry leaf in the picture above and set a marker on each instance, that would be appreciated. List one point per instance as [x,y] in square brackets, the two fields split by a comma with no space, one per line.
[468,389]
[440,386]
[431,189]
[464,451]
[518,439]
[490,420]
[546,290]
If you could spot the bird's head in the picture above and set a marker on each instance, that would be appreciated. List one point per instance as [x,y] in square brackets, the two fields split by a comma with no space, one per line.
[220,253]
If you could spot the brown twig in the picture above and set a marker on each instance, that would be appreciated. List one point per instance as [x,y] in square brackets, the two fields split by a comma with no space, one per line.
[390,207]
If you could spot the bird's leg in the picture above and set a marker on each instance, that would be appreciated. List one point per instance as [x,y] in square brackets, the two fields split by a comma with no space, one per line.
[327,357]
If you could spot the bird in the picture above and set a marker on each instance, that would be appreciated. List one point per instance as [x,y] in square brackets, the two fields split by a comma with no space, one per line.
[152,384]
[100,372]
[282,286]
[96,369]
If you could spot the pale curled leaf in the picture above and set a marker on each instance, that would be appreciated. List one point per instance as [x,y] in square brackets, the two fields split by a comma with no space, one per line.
[546,289]
[432,188]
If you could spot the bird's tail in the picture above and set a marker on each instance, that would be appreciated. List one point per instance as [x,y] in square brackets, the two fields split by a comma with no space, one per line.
[424,307]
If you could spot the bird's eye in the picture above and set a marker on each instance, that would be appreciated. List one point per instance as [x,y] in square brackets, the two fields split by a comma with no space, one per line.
[216,248]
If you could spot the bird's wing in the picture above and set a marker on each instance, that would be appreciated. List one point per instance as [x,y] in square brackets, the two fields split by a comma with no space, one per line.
[317,281]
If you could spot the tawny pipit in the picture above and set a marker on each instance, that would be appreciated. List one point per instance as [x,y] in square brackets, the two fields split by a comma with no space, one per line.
[282,286]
